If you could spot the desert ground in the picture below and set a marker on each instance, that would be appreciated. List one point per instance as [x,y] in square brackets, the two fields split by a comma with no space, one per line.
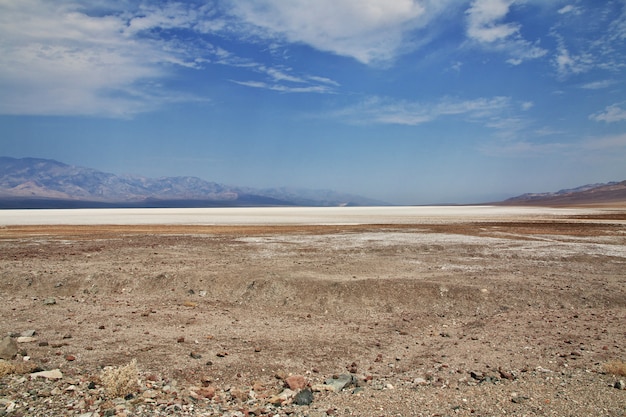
[448,311]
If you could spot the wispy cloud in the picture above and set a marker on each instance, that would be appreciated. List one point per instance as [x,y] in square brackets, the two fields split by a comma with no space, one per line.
[399,112]
[590,37]
[602,145]
[285,88]
[487,27]
[598,85]
[113,59]
[370,31]
[611,114]
[57,59]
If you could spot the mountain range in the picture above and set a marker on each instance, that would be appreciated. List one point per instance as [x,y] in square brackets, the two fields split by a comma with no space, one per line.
[606,193]
[46,183]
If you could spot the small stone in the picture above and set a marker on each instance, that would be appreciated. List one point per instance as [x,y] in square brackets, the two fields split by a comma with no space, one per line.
[150,393]
[180,340]
[207,392]
[49,301]
[420,381]
[296,382]
[283,398]
[620,384]
[70,358]
[67,336]
[195,355]
[8,348]
[477,375]
[43,343]
[322,388]
[352,368]
[28,333]
[340,382]
[53,374]
[26,339]
[506,375]
[304,397]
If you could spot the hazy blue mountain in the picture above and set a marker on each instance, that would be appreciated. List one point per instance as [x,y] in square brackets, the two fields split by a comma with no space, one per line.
[34,182]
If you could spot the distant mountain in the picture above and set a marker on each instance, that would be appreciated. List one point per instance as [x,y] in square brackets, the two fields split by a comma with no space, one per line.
[46,183]
[612,192]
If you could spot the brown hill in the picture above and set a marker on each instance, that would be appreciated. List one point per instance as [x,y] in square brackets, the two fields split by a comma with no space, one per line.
[613,193]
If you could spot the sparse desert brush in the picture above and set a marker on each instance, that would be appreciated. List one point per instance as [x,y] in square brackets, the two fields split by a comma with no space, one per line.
[616,368]
[121,381]
[6,368]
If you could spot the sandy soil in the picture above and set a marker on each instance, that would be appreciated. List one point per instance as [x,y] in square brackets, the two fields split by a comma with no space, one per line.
[470,317]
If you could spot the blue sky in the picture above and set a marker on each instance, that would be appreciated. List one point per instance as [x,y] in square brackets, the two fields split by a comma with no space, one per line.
[407,101]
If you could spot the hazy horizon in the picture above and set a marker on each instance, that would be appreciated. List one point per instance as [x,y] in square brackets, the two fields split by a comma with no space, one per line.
[407,101]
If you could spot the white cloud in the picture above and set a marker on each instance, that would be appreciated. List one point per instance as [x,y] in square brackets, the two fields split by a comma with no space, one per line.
[388,111]
[486,27]
[112,58]
[598,85]
[590,38]
[611,114]
[569,9]
[56,59]
[284,88]
[370,31]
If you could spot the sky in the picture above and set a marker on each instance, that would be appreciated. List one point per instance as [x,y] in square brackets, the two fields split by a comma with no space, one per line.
[405,101]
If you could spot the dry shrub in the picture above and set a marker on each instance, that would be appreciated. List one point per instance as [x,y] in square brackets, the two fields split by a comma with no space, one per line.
[616,368]
[6,368]
[121,381]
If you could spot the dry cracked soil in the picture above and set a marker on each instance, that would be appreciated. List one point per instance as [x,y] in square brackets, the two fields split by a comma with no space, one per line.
[510,317]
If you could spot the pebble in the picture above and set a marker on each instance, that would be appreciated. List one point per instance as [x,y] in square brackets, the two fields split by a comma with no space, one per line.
[26,339]
[304,397]
[296,382]
[49,301]
[340,382]
[620,384]
[53,374]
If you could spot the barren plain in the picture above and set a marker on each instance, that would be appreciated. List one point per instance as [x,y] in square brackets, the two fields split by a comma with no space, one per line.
[491,311]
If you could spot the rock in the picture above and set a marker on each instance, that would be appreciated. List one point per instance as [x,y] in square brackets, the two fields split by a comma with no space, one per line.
[28,333]
[340,382]
[8,348]
[26,339]
[304,397]
[282,398]
[620,384]
[322,387]
[506,375]
[53,374]
[70,358]
[195,355]
[296,382]
[49,301]
[420,381]
[477,375]
[207,392]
